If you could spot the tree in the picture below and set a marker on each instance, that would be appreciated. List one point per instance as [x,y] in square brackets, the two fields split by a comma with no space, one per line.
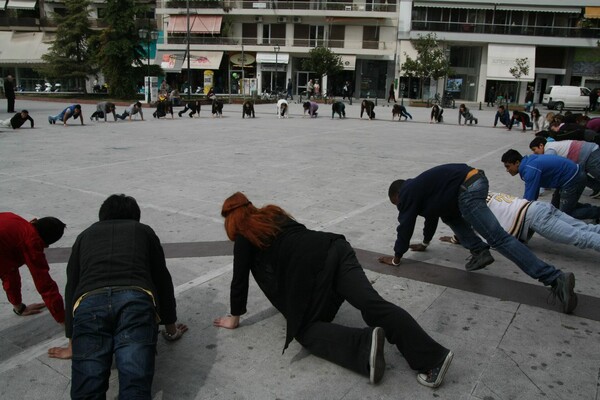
[323,62]
[119,47]
[431,61]
[521,68]
[70,55]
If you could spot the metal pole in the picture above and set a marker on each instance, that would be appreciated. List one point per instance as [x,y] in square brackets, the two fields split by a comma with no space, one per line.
[243,84]
[276,53]
[187,3]
[148,71]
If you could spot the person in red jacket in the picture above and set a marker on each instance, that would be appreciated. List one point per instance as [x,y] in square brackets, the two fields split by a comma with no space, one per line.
[23,242]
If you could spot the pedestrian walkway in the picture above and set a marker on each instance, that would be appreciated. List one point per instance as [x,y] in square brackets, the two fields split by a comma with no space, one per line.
[332,175]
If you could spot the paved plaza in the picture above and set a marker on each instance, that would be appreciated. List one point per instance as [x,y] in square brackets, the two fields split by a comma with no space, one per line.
[331,175]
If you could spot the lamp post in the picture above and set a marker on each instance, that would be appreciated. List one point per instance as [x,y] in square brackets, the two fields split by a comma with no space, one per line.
[187,41]
[148,36]
[447,54]
[276,48]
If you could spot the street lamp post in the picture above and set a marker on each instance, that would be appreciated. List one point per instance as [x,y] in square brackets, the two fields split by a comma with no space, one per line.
[276,48]
[447,54]
[148,36]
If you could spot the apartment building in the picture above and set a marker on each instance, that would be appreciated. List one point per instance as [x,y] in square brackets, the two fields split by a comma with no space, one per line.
[483,39]
[27,31]
[241,46]
[260,44]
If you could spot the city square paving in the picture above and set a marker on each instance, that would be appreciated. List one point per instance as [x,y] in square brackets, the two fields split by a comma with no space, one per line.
[331,175]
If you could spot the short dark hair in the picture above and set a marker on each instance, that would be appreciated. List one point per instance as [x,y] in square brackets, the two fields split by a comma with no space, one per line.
[25,111]
[138,104]
[395,187]
[501,106]
[537,141]
[119,206]
[306,105]
[78,106]
[50,229]
[544,134]
[511,156]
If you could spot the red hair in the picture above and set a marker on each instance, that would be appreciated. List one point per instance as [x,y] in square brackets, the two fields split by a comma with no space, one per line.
[258,225]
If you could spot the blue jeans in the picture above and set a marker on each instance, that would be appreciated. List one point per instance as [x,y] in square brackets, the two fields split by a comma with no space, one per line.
[559,227]
[592,167]
[474,209]
[115,321]
[566,198]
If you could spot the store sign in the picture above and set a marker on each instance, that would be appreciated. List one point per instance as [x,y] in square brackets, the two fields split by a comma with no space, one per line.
[237,59]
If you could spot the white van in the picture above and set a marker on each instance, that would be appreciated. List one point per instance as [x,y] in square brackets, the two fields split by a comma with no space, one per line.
[559,97]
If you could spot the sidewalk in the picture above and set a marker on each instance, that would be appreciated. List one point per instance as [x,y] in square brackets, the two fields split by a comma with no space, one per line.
[331,175]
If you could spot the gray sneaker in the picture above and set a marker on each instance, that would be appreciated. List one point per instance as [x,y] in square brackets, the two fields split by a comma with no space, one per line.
[562,288]
[434,377]
[376,359]
[479,260]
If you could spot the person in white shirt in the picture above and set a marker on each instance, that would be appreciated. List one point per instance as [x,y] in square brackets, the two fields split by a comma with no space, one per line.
[522,218]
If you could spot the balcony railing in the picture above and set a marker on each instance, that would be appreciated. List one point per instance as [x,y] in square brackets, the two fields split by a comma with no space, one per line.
[381,6]
[14,21]
[526,30]
[237,41]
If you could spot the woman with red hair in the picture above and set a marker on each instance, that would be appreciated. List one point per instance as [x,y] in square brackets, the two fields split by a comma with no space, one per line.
[307,275]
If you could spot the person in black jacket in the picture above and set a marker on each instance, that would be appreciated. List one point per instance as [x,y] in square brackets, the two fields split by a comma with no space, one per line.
[9,92]
[307,275]
[521,117]
[457,194]
[17,120]
[118,290]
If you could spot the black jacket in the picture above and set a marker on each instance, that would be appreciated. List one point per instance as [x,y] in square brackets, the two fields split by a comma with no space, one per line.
[292,272]
[119,253]
[17,121]
[432,195]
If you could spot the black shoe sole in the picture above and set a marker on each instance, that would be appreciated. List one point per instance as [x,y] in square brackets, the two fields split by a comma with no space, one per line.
[481,266]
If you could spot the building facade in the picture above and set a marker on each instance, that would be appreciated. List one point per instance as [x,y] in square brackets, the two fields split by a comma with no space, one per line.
[246,46]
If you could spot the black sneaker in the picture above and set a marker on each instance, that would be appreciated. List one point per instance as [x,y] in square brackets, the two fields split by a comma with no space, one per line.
[562,288]
[434,377]
[376,360]
[479,260]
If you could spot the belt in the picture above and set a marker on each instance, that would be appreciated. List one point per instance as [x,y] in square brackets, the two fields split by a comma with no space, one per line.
[472,177]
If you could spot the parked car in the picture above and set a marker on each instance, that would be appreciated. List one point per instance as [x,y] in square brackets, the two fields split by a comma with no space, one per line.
[559,97]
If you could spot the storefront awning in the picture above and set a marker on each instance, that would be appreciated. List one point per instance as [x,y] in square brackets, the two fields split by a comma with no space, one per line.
[198,24]
[592,12]
[444,4]
[570,10]
[21,4]
[170,61]
[204,60]
[349,62]
[502,57]
[23,47]
[269,58]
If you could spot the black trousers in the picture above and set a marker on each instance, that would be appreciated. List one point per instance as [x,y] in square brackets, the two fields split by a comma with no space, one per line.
[350,347]
[10,104]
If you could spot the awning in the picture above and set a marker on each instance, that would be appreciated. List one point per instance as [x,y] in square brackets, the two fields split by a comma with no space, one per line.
[444,4]
[3,4]
[592,12]
[269,58]
[198,23]
[170,61]
[501,58]
[349,62]
[21,4]
[204,60]
[23,47]
[570,10]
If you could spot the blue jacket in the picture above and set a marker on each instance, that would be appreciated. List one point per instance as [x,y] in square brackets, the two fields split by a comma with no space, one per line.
[546,171]
[432,195]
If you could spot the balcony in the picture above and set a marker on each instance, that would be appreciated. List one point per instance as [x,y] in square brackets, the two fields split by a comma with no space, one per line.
[498,29]
[332,5]
[19,22]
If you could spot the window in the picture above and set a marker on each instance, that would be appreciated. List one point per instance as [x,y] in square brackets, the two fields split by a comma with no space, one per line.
[336,36]
[301,35]
[370,37]
[274,34]
[249,33]
[316,36]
